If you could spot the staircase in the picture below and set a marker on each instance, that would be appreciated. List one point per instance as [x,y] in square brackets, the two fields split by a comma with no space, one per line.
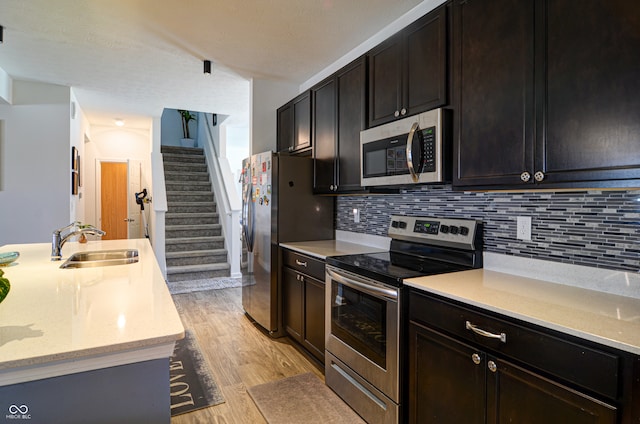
[193,235]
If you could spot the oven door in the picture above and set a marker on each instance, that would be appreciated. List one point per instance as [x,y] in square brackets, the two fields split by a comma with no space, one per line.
[362,325]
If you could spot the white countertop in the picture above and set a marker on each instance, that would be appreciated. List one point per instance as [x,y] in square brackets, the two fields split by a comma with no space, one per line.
[322,249]
[605,318]
[55,315]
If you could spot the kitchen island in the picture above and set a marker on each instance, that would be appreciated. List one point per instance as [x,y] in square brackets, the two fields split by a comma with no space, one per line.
[87,344]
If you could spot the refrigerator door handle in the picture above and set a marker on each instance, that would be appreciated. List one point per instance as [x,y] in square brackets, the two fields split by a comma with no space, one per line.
[247,217]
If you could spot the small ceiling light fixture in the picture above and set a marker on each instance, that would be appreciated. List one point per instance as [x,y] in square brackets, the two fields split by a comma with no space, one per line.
[207,67]
[119,122]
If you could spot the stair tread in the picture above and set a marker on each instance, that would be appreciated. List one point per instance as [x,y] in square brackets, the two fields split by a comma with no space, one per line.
[176,240]
[191,215]
[192,226]
[189,253]
[173,202]
[179,269]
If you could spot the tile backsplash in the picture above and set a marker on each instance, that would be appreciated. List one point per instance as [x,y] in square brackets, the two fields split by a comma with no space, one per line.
[592,228]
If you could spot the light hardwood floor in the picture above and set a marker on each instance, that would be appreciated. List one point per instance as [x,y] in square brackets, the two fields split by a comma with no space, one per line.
[239,354]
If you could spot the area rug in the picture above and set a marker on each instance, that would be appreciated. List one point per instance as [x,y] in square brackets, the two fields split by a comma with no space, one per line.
[192,386]
[303,398]
[190,286]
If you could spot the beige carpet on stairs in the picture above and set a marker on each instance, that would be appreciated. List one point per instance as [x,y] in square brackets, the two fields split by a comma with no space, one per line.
[300,399]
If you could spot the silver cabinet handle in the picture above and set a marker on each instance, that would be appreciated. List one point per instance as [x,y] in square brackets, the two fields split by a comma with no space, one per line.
[492,366]
[396,113]
[414,176]
[525,176]
[476,358]
[502,336]
[403,112]
[300,263]
[538,176]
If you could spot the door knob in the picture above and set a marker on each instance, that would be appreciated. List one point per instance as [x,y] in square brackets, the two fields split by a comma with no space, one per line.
[129,220]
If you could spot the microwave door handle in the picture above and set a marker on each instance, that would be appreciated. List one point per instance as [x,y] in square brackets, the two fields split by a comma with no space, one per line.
[414,176]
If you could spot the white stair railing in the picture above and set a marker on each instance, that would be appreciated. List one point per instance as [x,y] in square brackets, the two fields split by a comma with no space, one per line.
[227,199]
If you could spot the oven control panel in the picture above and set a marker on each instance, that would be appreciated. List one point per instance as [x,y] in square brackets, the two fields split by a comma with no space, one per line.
[451,232]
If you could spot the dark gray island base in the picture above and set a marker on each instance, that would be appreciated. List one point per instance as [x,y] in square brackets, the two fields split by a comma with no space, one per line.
[132,393]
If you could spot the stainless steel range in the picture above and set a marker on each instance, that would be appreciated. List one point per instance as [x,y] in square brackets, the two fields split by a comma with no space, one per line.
[365,308]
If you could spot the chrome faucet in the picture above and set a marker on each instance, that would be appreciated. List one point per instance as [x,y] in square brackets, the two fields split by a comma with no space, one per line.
[59,240]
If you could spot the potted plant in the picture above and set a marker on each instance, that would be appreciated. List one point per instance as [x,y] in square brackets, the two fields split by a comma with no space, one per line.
[186,116]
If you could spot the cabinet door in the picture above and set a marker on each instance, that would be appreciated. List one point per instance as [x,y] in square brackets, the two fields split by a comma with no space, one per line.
[385,81]
[515,395]
[425,76]
[285,128]
[592,123]
[314,316]
[446,380]
[351,120]
[493,68]
[324,136]
[292,305]
[302,121]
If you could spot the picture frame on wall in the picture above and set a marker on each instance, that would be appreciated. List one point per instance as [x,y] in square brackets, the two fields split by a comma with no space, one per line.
[74,182]
[79,172]
[74,158]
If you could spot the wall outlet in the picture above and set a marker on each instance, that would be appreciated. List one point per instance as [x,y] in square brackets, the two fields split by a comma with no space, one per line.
[523,228]
[356,215]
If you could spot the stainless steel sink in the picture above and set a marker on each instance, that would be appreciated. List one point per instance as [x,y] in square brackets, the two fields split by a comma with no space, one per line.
[100,258]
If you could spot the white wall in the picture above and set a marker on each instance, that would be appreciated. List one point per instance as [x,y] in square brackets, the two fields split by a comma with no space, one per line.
[171,128]
[266,97]
[6,88]
[35,163]
[112,144]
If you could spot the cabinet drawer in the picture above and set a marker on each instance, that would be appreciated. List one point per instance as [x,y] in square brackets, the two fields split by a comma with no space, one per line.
[561,356]
[304,264]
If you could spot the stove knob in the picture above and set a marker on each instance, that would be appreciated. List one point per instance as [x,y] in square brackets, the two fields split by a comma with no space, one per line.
[464,231]
[444,229]
[403,225]
[453,229]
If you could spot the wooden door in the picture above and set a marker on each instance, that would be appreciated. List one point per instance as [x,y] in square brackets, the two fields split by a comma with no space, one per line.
[113,200]
[493,68]
[385,81]
[292,288]
[324,136]
[591,130]
[425,75]
[515,395]
[352,96]
[314,316]
[446,379]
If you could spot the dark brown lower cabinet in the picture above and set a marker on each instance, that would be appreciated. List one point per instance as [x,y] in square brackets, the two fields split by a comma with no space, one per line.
[457,376]
[452,382]
[303,301]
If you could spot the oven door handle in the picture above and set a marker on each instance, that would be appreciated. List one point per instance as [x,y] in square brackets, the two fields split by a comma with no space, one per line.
[373,290]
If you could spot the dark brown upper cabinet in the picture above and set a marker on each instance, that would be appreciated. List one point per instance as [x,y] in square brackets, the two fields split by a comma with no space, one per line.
[545,94]
[338,116]
[294,125]
[408,71]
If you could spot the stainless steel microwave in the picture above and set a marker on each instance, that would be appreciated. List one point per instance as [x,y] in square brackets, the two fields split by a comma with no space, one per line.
[412,150]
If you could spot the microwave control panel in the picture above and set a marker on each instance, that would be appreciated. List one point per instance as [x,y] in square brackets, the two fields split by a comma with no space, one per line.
[459,233]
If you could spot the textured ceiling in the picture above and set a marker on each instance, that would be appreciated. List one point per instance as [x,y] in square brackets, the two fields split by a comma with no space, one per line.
[132,58]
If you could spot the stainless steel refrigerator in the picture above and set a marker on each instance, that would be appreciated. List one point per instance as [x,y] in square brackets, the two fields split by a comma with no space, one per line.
[278,206]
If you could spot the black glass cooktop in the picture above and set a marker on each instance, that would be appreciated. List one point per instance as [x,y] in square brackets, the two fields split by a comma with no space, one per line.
[391,267]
